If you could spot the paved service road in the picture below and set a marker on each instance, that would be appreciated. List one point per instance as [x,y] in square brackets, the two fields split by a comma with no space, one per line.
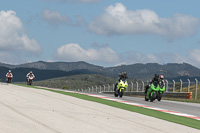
[28,110]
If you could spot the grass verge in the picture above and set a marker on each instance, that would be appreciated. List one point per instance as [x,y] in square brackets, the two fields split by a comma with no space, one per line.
[161,115]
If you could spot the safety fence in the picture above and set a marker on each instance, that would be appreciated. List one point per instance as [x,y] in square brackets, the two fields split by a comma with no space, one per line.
[139,86]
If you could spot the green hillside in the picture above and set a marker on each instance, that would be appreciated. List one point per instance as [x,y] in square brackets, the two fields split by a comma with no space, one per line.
[77,81]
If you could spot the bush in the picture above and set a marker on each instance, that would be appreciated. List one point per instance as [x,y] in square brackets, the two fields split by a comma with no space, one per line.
[65,87]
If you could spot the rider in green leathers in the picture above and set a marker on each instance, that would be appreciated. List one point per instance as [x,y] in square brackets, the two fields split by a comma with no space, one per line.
[156,88]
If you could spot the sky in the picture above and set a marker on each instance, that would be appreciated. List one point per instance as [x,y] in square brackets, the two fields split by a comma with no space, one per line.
[100,32]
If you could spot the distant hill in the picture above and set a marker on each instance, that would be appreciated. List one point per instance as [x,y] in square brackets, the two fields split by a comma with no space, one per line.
[135,71]
[77,81]
[64,66]
[19,74]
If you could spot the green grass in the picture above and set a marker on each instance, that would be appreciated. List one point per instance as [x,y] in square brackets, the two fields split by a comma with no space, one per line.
[160,115]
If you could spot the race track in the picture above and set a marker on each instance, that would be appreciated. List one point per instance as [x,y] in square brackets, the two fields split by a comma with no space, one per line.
[188,108]
[28,110]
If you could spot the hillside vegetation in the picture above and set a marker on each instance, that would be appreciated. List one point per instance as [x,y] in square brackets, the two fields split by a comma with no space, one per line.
[76,82]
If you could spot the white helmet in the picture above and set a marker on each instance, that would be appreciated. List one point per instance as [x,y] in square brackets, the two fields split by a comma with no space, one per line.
[9,71]
[161,77]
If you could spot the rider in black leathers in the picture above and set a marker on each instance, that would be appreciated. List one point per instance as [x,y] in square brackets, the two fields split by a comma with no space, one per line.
[155,81]
[122,76]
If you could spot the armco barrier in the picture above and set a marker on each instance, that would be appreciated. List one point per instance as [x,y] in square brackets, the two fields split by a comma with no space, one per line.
[181,95]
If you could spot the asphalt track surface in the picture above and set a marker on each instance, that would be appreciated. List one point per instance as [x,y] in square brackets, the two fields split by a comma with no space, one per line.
[28,110]
[188,108]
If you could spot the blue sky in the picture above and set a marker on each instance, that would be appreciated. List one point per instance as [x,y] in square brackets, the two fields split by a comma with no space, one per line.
[101,32]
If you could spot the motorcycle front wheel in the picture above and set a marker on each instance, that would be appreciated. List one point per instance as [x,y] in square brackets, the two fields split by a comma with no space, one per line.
[159,97]
[153,97]
[121,93]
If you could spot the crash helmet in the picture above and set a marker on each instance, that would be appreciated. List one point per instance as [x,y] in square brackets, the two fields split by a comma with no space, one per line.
[9,71]
[161,77]
[30,72]
[124,74]
[156,77]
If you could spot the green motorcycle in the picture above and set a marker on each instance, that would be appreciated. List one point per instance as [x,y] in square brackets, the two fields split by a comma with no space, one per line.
[121,87]
[152,92]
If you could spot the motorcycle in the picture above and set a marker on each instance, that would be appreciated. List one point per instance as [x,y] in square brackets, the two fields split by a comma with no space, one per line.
[152,92]
[121,87]
[9,78]
[30,80]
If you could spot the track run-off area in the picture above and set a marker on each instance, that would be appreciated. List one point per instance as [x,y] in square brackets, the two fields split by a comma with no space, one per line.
[26,109]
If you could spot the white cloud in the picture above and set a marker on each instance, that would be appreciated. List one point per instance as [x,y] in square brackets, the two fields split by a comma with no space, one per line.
[132,57]
[194,57]
[171,58]
[13,40]
[74,52]
[12,35]
[104,55]
[117,20]
[54,17]
[75,1]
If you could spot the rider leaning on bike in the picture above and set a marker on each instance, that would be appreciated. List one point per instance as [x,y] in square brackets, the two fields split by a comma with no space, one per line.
[122,76]
[157,80]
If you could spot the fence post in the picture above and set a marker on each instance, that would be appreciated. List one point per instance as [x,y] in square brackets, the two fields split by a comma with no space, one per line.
[181,87]
[188,85]
[132,85]
[104,88]
[166,86]
[89,89]
[100,88]
[96,89]
[108,87]
[142,86]
[196,89]
[137,85]
[174,85]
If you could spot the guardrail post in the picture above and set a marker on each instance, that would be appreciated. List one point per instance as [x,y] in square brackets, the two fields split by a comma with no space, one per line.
[188,85]
[196,89]
[166,86]
[181,86]
[137,85]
